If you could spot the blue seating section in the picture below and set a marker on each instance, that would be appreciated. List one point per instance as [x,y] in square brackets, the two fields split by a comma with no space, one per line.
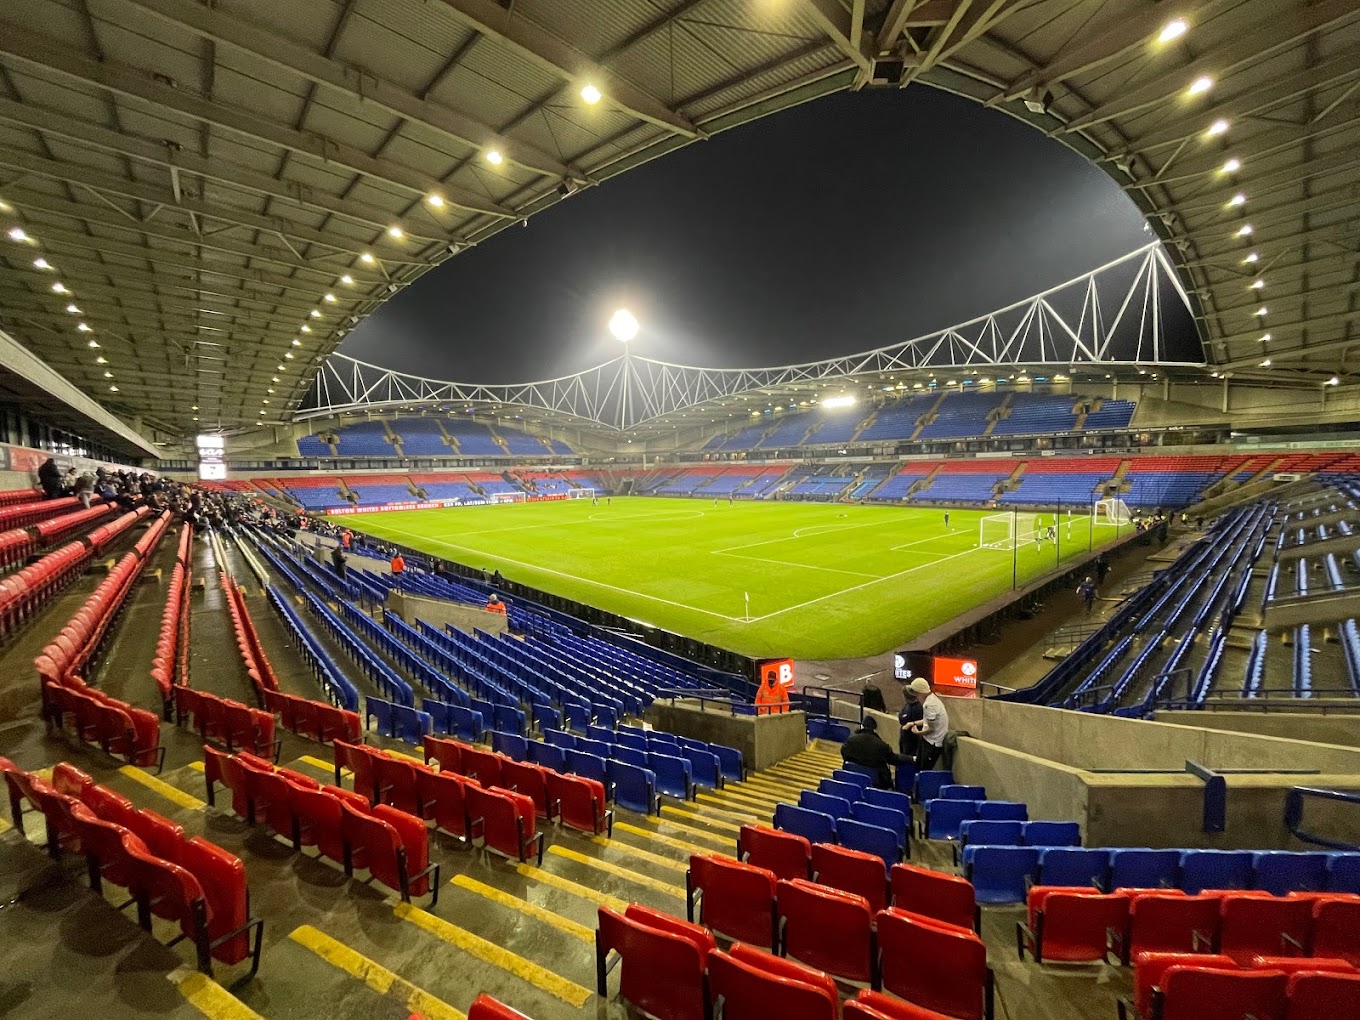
[1059,488]
[1113,414]
[848,812]
[373,495]
[364,439]
[965,487]
[336,686]
[421,437]
[312,446]
[1035,413]
[896,420]
[962,415]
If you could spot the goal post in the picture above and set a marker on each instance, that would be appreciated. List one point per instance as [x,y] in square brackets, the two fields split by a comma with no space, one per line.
[507,497]
[580,494]
[1112,511]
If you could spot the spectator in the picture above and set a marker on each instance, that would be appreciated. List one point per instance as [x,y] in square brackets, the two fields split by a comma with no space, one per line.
[495,605]
[1102,568]
[398,564]
[865,747]
[1086,591]
[933,726]
[346,538]
[49,477]
[338,561]
[909,742]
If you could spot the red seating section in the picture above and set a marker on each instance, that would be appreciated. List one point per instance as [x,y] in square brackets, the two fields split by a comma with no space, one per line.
[191,881]
[16,496]
[851,871]
[345,826]
[21,515]
[786,854]
[1074,925]
[171,662]
[663,961]
[18,543]
[956,981]
[929,893]
[228,722]
[751,985]
[734,899]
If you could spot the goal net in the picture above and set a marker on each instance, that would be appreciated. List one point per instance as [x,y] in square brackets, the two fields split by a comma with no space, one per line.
[1005,531]
[580,493]
[507,497]
[1112,511]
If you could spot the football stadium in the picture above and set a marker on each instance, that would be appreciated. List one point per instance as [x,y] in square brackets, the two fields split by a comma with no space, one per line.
[893,560]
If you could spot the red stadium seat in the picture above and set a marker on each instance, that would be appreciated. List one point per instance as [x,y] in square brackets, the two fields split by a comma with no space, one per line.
[1171,923]
[161,836]
[449,753]
[1077,925]
[851,871]
[1336,927]
[529,779]
[734,899]
[1199,993]
[827,929]
[483,766]
[1316,995]
[871,1005]
[936,965]
[318,818]
[1149,969]
[784,853]
[358,758]
[662,962]
[579,803]
[484,1007]
[504,821]
[1295,964]
[750,985]
[393,847]
[397,782]
[445,792]
[1252,924]
[929,893]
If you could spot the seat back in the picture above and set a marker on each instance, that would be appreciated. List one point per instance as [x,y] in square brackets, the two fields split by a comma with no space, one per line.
[222,877]
[1144,869]
[883,817]
[738,899]
[857,775]
[662,972]
[1164,923]
[836,807]
[1073,866]
[1052,834]
[634,788]
[1343,873]
[1316,995]
[785,854]
[1196,993]
[930,782]
[548,755]
[580,803]
[705,768]
[507,819]
[447,792]
[888,798]
[1283,871]
[1264,924]
[945,817]
[1003,811]
[448,753]
[1000,874]
[849,792]
[359,760]
[592,766]
[673,775]
[814,826]
[933,894]
[851,871]
[483,766]
[1078,926]
[871,1005]
[1216,869]
[962,791]
[395,783]
[826,928]
[1336,928]
[318,813]
[512,745]
[991,833]
[529,779]
[756,990]
[936,965]
[870,839]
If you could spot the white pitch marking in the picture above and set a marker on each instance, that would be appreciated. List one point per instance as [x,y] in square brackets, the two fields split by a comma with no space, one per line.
[797,566]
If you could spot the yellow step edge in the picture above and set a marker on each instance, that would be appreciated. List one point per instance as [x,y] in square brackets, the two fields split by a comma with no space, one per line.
[565,924]
[418,759]
[802,777]
[374,975]
[211,999]
[488,952]
[670,841]
[780,787]
[655,884]
[566,885]
[667,809]
[717,837]
[762,802]
[810,770]
[160,787]
[324,766]
[642,855]
[714,807]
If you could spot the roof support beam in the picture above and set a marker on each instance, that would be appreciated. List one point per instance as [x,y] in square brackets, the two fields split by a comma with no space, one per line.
[212,23]
[839,26]
[561,58]
[47,53]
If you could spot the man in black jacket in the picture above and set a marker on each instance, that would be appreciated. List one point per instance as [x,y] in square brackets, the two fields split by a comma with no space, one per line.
[865,747]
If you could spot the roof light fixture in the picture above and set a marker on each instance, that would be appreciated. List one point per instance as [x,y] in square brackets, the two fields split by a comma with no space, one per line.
[297,342]
[1265,339]
[1172,31]
[73,309]
[316,313]
[113,389]
[1232,166]
[591,94]
[366,258]
[435,200]
[1200,85]
[1252,258]
[1218,127]
[1266,363]
[41,263]
[59,288]
[1262,312]
[17,234]
[395,232]
[1238,200]
[1245,230]
[329,299]
[1257,284]
[101,360]
[347,280]
[1334,381]
[494,157]
[83,327]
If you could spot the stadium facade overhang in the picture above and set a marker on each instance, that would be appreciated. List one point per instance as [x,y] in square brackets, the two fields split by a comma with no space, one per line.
[205,180]
[1130,315]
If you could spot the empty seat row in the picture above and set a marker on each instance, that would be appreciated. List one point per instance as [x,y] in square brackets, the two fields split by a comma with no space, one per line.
[315,720]
[632,786]
[828,933]
[189,881]
[1002,874]
[1085,925]
[864,826]
[1002,831]
[729,759]
[170,662]
[674,770]
[235,725]
[18,543]
[345,826]
[1173,985]
[21,515]
[338,688]
[257,664]
[922,891]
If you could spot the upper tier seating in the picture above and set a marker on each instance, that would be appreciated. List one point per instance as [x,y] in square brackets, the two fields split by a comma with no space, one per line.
[421,437]
[1035,413]
[962,414]
[1112,414]
[896,420]
[364,439]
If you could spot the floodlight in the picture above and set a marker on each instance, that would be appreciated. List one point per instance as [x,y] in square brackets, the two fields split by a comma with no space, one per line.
[624,325]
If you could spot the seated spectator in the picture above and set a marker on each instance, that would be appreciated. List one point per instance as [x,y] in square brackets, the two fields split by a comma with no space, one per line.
[495,605]
[865,747]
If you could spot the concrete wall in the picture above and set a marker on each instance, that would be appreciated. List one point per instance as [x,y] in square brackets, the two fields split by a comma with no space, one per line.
[762,740]
[1341,729]
[438,612]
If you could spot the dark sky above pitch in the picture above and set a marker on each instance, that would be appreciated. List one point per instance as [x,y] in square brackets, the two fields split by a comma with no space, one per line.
[852,222]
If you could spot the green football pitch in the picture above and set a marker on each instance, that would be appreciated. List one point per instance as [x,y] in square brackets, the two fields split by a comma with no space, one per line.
[825,580]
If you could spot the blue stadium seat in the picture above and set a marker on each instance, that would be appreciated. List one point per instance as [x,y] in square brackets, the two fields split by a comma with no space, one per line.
[928,784]
[1343,873]
[439,714]
[1144,869]
[943,817]
[1216,869]
[603,733]
[546,717]
[1052,834]
[1003,811]
[889,799]
[630,755]
[733,766]
[633,740]
[1000,874]
[550,756]
[510,720]
[595,747]
[883,817]
[657,737]
[825,729]
[588,766]
[579,717]
[1073,866]
[1281,872]
[634,788]
[376,708]
[853,777]
[512,745]
[560,738]
[837,807]
[954,791]
[814,826]
[849,791]
[704,766]
[869,775]
[988,832]
[466,723]
[606,715]
[869,839]
[673,775]
[410,725]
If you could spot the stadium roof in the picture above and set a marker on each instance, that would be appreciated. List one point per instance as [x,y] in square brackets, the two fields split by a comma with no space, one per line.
[221,192]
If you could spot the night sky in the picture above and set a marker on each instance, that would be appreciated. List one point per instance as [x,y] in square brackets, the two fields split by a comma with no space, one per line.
[852,222]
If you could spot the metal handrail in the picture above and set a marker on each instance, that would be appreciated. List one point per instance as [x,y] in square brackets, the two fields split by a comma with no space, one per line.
[1293,815]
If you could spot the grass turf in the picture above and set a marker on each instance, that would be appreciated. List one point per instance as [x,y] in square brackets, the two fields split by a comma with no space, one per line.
[826,581]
